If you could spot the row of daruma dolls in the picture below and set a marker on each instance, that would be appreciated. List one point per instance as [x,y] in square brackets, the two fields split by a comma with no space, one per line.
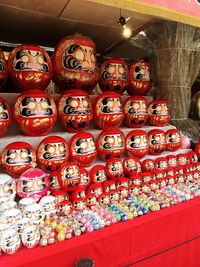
[73,66]
[36,112]
[117,179]
[53,151]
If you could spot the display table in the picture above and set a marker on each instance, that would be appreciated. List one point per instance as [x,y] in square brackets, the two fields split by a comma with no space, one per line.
[159,239]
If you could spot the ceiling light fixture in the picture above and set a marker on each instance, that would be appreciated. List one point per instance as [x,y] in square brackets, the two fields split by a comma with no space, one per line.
[126,32]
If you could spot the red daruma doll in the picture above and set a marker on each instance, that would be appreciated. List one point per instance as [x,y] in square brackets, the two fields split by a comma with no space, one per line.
[139,78]
[111,144]
[82,149]
[35,113]
[108,110]
[69,176]
[114,75]
[30,67]
[75,64]
[3,69]
[158,113]
[75,110]
[135,112]
[5,116]
[156,141]
[137,143]
[173,139]
[17,157]
[52,152]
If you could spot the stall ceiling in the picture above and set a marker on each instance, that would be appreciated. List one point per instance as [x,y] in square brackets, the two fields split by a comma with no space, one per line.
[46,22]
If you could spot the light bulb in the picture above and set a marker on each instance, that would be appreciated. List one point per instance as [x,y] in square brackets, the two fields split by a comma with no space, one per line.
[126,32]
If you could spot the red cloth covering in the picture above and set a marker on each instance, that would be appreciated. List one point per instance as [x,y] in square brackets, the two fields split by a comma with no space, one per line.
[154,240]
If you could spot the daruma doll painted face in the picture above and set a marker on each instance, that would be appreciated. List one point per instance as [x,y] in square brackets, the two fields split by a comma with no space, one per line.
[114,75]
[5,117]
[156,141]
[75,110]
[135,111]
[173,139]
[140,82]
[82,149]
[3,69]
[30,67]
[69,176]
[137,143]
[34,182]
[18,157]
[108,110]
[52,152]
[75,64]
[35,113]
[111,143]
[158,113]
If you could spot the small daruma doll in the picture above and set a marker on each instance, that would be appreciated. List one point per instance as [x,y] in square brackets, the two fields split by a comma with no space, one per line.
[75,110]
[98,174]
[148,165]
[173,139]
[75,64]
[69,176]
[18,157]
[34,182]
[5,115]
[108,110]
[35,113]
[111,144]
[82,149]
[114,169]
[137,143]
[130,166]
[3,69]
[114,75]
[158,113]
[30,67]
[52,152]
[140,82]
[135,111]
[156,141]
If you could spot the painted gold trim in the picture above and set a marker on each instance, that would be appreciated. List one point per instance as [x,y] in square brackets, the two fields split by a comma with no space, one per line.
[153,10]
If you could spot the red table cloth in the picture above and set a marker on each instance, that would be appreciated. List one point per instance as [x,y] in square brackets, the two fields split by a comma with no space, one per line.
[166,238]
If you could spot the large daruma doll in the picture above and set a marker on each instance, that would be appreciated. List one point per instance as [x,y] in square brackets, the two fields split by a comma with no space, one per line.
[158,113]
[75,110]
[111,143]
[52,152]
[114,75]
[17,157]
[75,64]
[3,69]
[137,143]
[108,110]
[140,82]
[135,111]
[35,113]
[30,67]
[82,149]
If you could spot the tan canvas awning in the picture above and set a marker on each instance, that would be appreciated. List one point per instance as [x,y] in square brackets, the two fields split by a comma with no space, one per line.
[185,11]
